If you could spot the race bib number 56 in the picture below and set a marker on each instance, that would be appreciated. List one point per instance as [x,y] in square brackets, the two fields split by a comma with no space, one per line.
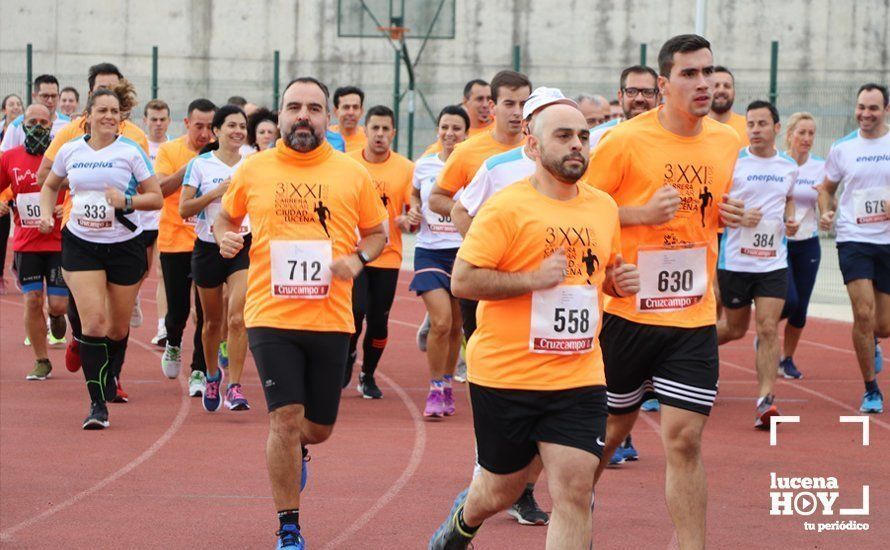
[564,320]
[671,279]
[301,269]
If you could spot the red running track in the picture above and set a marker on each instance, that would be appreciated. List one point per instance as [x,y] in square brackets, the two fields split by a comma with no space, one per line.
[169,475]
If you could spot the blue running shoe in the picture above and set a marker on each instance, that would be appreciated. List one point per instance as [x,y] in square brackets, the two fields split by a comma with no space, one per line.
[289,538]
[879,357]
[222,355]
[304,469]
[618,457]
[872,402]
[650,405]
[212,399]
[789,369]
[449,536]
[630,454]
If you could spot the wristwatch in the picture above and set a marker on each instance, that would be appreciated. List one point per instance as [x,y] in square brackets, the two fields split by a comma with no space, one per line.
[363,256]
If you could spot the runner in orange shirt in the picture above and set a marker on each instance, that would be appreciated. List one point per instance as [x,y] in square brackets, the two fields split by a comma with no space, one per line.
[539,257]
[316,221]
[349,107]
[375,288]
[477,103]
[176,242]
[657,167]
[724,98]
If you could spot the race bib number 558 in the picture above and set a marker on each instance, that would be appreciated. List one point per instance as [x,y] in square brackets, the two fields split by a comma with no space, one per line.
[564,320]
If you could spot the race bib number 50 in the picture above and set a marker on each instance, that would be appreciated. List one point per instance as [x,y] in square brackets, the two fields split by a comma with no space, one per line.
[301,269]
[28,206]
[671,279]
[564,320]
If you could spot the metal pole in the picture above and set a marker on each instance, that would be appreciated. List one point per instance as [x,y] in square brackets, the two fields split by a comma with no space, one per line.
[154,72]
[29,71]
[774,72]
[411,87]
[517,57]
[643,55]
[276,78]
[396,93]
[701,16]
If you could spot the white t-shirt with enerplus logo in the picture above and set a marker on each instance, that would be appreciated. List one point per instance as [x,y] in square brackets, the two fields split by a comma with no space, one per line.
[496,173]
[809,175]
[863,167]
[437,232]
[122,165]
[597,132]
[205,173]
[766,184]
[15,134]
[151,219]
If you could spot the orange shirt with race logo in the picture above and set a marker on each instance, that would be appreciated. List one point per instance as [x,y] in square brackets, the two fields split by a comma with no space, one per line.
[740,124]
[392,181]
[436,147]
[77,128]
[355,142]
[466,159]
[318,197]
[631,162]
[514,232]
[174,234]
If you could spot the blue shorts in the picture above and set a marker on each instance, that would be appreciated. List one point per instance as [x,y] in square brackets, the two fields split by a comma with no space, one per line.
[865,261]
[432,269]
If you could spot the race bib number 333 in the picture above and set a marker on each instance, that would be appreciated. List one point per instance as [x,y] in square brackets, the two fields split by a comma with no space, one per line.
[564,320]
[301,269]
[90,210]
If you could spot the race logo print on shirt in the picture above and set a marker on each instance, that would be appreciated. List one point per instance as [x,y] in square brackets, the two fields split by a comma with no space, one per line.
[302,203]
[692,182]
[578,244]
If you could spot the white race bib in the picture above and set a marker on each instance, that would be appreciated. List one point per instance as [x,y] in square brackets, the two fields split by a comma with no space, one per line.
[191,221]
[564,320]
[28,206]
[439,223]
[869,205]
[91,211]
[672,279]
[806,217]
[301,269]
[763,240]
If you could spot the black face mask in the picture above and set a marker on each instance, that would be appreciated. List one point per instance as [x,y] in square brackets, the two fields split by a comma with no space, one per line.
[37,139]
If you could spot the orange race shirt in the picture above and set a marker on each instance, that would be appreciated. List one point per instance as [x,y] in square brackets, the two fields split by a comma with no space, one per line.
[466,159]
[676,260]
[436,147]
[305,209]
[740,125]
[77,128]
[547,340]
[392,181]
[174,233]
[355,142]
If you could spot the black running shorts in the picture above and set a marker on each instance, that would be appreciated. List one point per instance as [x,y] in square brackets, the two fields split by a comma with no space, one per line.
[209,269]
[738,288]
[124,263]
[36,267]
[680,365]
[301,367]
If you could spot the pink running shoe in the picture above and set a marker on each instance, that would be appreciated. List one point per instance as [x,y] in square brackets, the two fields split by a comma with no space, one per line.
[448,405]
[435,404]
[235,399]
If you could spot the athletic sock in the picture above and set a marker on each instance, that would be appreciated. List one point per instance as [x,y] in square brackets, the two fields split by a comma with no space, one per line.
[372,352]
[214,378]
[872,386]
[74,319]
[94,358]
[465,529]
[289,517]
[117,351]
[446,381]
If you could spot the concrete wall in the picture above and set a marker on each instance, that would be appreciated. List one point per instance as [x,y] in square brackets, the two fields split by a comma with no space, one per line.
[222,47]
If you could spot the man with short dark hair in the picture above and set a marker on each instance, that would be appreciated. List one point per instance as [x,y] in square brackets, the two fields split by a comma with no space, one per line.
[753,264]
[237,100]
[156,118]
[307,247]
[724,97]
[375,287]
[69,98]
[861,161]
[46,92]
[615,109]
[176,241]
[637,93]
[655,167]
[476,102]
[349,109]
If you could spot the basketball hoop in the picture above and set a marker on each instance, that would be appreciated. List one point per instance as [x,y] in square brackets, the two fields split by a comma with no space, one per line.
[395,33]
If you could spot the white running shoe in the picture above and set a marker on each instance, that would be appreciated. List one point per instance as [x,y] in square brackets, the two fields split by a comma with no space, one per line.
[197,384]
[160,339]
[136,317]
[171,362]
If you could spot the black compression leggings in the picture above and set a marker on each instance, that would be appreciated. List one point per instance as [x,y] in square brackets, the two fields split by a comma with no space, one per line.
[373,293]
[177,270]
[4,238]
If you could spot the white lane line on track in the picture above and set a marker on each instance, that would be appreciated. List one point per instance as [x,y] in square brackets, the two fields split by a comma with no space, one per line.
[407,473]
[174,427]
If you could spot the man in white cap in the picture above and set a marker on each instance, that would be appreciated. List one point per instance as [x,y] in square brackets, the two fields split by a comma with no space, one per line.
[539,257]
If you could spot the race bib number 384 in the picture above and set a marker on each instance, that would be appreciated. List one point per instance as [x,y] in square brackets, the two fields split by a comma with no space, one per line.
[564,320]
[301,269]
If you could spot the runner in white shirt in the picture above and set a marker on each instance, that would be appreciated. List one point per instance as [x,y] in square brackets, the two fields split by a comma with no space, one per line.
[434,253]
[861,161]
[46,92]
[753,262]
[103,260]
[637,93]
[804,250]
[206,180]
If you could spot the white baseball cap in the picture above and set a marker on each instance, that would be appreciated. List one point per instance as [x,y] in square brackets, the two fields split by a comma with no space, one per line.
[543,97]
